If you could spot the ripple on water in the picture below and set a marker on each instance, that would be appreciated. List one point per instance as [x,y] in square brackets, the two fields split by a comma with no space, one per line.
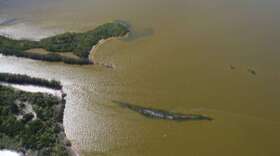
[4,21]
[19,29]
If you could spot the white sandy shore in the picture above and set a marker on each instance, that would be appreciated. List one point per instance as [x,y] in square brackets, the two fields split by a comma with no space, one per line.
[34,89]
[99,44]
[95,48]
[9,153]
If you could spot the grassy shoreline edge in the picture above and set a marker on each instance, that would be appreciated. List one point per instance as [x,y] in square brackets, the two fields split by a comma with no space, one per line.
[27,80]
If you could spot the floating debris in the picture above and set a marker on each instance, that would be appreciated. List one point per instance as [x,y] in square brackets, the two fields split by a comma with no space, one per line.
[232,67]
[162,114]
[252,71]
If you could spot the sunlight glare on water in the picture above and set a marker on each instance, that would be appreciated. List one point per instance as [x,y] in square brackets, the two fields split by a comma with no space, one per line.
[9,153]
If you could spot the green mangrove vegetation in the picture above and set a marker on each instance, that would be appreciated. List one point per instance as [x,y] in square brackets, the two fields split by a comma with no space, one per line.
[79,44]
[162,114]
[35,131]
[27,80]
[51,57]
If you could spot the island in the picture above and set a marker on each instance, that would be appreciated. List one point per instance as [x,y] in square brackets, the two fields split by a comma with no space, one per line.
[153,113]
[70,47]
[31,123]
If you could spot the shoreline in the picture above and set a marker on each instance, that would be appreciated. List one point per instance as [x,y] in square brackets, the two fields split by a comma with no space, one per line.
[58,110]
[33,88]
[94,49]
[79,43]
[62,134]
[49,57]
[22,79]
[62,137]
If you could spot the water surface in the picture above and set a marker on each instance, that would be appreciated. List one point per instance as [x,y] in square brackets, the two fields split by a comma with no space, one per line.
[178,60]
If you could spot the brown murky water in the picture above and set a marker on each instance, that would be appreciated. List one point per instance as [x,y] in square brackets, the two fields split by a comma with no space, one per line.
[178,59]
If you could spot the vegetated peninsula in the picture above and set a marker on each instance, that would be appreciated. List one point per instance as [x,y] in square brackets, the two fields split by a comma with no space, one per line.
[31,123]
[27,80]
[78,44]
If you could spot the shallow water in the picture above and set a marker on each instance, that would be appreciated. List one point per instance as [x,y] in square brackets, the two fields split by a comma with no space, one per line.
[178,59]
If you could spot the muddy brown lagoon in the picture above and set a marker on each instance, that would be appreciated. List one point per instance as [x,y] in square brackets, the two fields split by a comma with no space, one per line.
[178,58]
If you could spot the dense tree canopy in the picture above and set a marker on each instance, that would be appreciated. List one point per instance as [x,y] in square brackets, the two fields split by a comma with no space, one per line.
[36,134]
[27,80]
